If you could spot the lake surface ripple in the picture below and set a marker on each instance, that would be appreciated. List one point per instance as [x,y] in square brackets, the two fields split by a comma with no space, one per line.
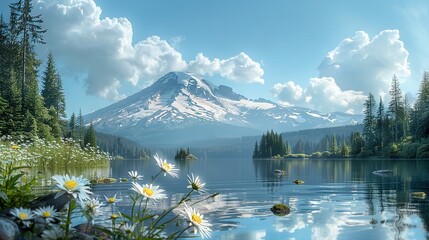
[340,199]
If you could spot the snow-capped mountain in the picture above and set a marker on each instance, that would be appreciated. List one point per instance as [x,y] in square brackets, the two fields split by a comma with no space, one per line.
[181,107]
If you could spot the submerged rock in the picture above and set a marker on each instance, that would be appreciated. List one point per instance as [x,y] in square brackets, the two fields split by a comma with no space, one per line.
[280,209]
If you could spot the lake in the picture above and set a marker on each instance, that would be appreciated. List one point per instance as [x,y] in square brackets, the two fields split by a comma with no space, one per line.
[340,199]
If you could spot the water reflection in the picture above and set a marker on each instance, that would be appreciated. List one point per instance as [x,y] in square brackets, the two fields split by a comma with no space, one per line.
[340,199]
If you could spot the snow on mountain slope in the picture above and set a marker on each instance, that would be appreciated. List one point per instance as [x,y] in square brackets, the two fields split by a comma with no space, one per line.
[190,107]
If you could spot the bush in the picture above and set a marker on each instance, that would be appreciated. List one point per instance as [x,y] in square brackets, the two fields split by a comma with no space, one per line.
[423,151]
[409,150]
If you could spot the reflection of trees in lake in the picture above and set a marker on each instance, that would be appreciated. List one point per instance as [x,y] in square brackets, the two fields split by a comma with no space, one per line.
[387,198]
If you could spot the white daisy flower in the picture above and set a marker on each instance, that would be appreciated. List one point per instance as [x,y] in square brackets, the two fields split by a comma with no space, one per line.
[23,214]
[127,228]
[112,200]
[197,221]
[75,186]
[196,184]
[134,175]
[91,207]
[49,214]
[55,233]
[166,167]
[149,191]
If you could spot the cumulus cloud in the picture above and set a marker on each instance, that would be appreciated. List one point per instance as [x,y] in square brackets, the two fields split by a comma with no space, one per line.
[289,93]
[357,66]
[239,68]
[102,50]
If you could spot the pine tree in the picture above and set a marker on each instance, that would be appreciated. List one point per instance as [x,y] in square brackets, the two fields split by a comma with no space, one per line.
[72,129]
[369,123]
[396,108]
[90,138]
[28,29]
[379,126]
[80,129]
[420,114]
[255,150]
[52,90]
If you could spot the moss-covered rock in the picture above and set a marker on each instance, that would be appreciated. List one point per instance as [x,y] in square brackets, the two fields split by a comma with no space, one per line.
[280,209]
[421,195]
[297,181]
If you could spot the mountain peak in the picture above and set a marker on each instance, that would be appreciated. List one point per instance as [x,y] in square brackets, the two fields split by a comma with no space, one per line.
[180,101]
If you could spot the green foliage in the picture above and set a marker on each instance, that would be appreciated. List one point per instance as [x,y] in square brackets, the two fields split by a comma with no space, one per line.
[271,144]
[184,154]
[90,139]
[423,151]
[15,187]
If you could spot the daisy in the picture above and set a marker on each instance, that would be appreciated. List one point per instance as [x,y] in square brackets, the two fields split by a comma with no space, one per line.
[112,200]
[56,232]
[49,214]
[23,214]
[127,229]
[196,220]
[134,175]
[91,207]
[196,184]
[149,191]
[75,186]
[166,167]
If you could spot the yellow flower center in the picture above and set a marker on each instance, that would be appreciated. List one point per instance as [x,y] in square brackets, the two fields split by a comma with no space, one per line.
[111,200]
[195,186]
[70,184]
[166,166]
[148,192]
[196,218]
[15,147]
[114,216]
[22,215]
[46,214]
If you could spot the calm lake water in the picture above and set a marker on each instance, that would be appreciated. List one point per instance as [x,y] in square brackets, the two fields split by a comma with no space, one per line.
[340,199]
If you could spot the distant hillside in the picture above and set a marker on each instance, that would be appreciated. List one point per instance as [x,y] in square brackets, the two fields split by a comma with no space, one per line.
[119,146]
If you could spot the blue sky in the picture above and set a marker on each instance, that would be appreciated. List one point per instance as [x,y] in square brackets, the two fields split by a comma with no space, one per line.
[325,55]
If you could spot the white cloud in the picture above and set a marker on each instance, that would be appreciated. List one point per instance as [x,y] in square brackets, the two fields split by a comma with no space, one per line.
[240,68]
[103,51]
[366,65]
[357,66]
[288,93]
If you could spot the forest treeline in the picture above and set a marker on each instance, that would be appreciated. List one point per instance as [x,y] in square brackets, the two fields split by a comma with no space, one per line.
[400,130]
[29,110]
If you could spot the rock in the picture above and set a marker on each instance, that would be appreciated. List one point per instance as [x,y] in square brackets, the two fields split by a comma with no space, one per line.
[421,195]
[9,230]
[87,231]
[297,181]
[280,209]
[50,200]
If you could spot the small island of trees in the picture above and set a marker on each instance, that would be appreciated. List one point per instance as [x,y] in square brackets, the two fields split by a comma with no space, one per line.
[184,154]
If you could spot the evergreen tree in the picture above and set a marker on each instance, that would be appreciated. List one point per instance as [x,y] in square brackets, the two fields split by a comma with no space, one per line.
[72,129]
[369,123]
[420,114]
[28,29]
[255,150]
[52,91]
[379,126]
[333,147]
[396,108]
[90,138]
[80,129]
